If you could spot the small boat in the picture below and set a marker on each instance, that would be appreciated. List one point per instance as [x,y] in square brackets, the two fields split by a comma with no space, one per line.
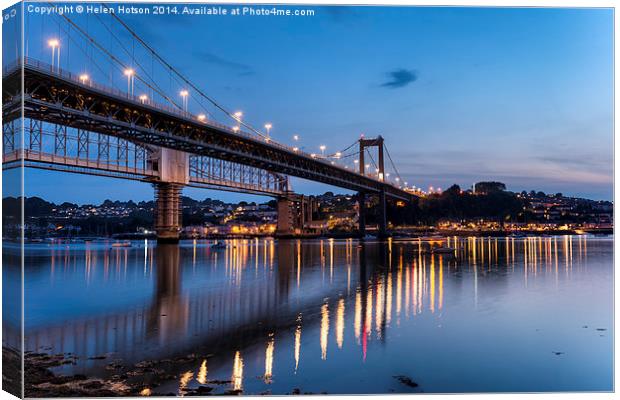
[218,245]
[443,250]
[121,244]
[431,238]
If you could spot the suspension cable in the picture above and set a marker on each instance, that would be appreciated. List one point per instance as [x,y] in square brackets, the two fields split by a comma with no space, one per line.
[184,79]
[392,162]
[149,76]
[113,58]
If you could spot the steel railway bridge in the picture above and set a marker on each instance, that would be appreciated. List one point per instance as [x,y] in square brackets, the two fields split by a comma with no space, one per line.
[54,120]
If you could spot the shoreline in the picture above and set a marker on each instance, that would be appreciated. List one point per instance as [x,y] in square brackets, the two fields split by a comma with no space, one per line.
[404,233]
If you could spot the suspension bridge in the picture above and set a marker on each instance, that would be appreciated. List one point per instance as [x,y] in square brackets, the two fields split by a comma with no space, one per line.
[57,119]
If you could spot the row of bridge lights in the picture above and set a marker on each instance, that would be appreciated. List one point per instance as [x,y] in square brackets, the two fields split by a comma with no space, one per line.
[130,74]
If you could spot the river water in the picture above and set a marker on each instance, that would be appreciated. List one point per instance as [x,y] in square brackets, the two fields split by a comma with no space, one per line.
[335,316]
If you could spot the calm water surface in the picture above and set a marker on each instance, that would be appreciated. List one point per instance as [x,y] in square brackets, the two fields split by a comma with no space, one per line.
[335,316]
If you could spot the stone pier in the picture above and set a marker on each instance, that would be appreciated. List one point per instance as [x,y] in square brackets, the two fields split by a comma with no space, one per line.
[173,168]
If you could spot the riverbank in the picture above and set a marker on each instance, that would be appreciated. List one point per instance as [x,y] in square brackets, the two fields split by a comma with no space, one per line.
[412,233]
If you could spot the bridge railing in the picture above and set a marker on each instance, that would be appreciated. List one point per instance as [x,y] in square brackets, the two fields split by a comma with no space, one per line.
[65,74]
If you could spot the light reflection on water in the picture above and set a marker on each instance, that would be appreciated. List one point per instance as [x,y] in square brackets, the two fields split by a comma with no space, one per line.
[334,315]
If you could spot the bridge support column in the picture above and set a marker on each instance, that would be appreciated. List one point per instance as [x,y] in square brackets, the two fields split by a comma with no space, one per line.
[168,212]
[286,224]
[361,213]
[382,217]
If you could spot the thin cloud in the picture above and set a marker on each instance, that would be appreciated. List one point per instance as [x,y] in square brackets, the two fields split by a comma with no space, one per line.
[240,68]
[340,14]
[400,78]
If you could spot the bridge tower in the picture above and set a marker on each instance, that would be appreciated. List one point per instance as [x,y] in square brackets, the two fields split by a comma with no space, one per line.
[364,144]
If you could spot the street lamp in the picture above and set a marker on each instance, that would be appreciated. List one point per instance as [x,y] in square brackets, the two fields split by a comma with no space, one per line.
[296,138]
[83,78]
[55,43]
[143,98]
[338,154]
[322,147]
[202,117]
[129,73]
[235,129]
[184,94]
[268,127]
[238,116]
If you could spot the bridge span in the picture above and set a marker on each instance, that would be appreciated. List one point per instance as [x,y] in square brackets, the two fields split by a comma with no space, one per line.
[35,91]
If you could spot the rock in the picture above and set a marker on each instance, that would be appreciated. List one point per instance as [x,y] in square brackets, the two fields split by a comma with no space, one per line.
[203,389]
[405,380]
[93,385]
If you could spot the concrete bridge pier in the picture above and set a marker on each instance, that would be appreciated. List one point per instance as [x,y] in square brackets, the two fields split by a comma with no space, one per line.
[361,213]
[173,169]
[382,215]
[294,213]
[168,212]
[286,218]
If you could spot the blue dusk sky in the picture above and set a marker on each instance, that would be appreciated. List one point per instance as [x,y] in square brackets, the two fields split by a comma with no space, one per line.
[518,95]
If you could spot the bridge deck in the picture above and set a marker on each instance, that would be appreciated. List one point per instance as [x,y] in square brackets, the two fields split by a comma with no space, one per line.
[59,97]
